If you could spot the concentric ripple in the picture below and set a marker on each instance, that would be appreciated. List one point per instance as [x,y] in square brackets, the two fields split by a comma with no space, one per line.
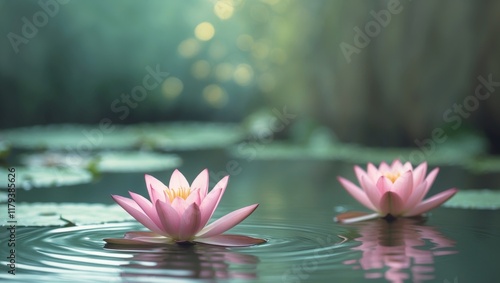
[78,254]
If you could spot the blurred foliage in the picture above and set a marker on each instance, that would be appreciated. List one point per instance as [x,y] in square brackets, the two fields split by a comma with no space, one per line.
[415,67]
[41,177]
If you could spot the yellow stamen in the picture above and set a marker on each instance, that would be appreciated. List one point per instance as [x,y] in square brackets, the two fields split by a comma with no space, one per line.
[393,176]
[179,192]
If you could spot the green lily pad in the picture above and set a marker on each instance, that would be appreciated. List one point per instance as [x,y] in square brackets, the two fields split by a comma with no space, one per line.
[36,177]
[188,136]
[113,161]
[475,199]
[484,165]
[85,138]
[136,161]
[67,214]
[455,152]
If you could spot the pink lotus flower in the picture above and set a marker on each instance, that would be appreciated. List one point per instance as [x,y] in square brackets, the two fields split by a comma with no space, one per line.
[394,191]
[179,213]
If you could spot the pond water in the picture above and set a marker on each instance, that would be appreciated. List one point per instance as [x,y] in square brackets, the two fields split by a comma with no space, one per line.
[298,200]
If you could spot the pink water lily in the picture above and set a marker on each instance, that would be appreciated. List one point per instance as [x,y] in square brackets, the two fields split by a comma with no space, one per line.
[393,191]
[180,213]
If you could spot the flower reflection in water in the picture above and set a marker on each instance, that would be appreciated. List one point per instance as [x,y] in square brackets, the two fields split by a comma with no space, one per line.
[185,262]
[399,249]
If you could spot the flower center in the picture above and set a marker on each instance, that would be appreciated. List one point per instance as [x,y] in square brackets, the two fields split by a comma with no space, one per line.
[393,176]
[179,192]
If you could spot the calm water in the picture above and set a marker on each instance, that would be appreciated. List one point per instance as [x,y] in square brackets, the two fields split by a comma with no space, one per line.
[297,203]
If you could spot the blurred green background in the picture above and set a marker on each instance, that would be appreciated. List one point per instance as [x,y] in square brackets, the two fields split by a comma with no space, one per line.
[377,73]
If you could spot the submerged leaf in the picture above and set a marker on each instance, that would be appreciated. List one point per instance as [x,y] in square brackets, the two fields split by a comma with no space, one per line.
[475,199]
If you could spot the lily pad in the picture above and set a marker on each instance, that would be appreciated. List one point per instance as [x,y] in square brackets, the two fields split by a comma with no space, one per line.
[85,138]
[67,214]
[187,136]
[136,161]
[113,161]
[455,152]
[36,177]
[484,165]
[475,199]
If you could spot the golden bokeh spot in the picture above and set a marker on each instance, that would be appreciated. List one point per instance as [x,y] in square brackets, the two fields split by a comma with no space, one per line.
[244,42]
[189,48]
[224,9]
[204,31]
[179,192]
[215,95]
[393,176]
[224,72]
[243,74]
[200,69]
[172,87]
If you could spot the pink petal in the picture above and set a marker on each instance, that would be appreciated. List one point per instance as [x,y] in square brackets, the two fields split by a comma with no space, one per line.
[419,174]
[359,173]
[396,165]
[180,205]
[407,166]
[134,209]
[372,191]
[169,218]
[404,186]
[147,207]
[383,167]
[194,197]
[420,194]
[201,182]
[416,196]
[373,172]
[352,217]
[430,179]
[231,241]
[356,193]
[190,222]
[209,205]
[153,184]
[432,202]
[226,222]
[222,183]
[177,180]
[391,203]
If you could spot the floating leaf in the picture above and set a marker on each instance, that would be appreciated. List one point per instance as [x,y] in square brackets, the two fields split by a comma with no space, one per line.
[67,214]
[475,199]
[455,152]
[34,177]
[84,138]
[113,161]
[136,161]
[484,165]
[4,149]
